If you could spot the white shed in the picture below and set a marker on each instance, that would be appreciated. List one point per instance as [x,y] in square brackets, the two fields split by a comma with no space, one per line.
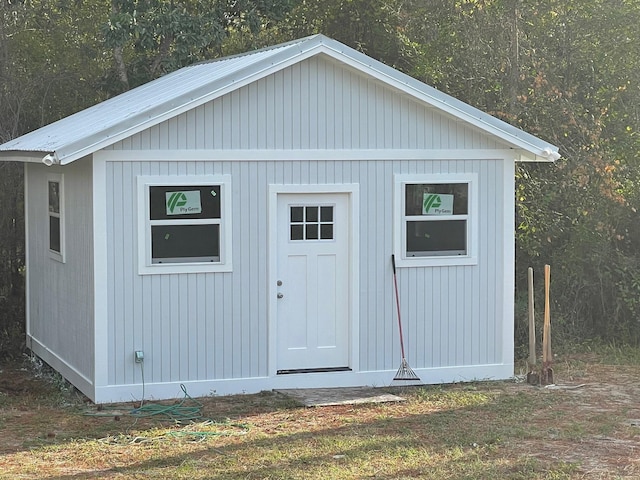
[234,223]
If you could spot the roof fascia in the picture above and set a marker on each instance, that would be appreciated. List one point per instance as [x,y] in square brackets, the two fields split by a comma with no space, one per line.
[23,156]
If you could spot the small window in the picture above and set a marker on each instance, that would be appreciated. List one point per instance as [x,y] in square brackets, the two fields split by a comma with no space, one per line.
[434,217]
[55,217]
[311,222]
[186,225]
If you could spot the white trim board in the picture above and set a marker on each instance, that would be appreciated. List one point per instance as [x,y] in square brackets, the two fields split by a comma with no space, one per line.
[353,190]
[69,372]
[234,386]
[144,227]
[471,258]
[319,154]
[27,258]
[100,274]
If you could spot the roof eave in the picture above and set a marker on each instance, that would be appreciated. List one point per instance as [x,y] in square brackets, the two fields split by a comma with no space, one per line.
[532,148]
[176,106]
[32,156]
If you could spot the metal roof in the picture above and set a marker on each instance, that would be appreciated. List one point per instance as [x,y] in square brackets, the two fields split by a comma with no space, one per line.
[103,124]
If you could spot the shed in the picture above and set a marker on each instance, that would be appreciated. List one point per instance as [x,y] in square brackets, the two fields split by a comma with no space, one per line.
[229,227]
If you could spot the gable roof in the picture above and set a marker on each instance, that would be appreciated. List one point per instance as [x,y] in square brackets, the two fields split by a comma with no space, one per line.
[101,125]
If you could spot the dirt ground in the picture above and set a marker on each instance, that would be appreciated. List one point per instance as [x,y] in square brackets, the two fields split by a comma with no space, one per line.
[597,418]
[604,395]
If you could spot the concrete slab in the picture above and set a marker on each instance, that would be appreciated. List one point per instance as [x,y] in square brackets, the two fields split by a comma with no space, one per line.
[321,397]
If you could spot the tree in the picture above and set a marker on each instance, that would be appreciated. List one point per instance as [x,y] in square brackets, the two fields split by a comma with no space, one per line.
[369,26]
[568,72]
[151,37]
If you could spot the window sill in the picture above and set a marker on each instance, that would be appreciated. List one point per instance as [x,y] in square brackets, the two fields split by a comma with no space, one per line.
[173,268]
[58,257]
[435,261]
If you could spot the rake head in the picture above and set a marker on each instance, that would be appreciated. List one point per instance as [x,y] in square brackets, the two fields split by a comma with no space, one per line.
[405,372]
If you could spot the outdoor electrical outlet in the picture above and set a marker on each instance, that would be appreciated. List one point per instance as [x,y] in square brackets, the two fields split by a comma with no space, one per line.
[139,355]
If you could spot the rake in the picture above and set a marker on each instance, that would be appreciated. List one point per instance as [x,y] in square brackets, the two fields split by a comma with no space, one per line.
[404,372]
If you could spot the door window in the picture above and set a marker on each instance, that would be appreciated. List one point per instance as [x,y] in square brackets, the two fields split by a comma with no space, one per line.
[311,222]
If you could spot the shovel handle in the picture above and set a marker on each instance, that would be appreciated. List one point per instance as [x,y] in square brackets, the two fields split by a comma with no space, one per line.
[393,263]
[546,349]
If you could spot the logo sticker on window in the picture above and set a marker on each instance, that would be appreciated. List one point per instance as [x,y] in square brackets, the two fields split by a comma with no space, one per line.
[183,203]
[437,204]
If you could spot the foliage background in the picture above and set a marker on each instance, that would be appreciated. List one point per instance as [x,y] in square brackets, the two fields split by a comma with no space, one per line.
[565,70]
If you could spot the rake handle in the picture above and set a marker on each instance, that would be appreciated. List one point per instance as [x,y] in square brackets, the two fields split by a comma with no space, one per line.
[395,284]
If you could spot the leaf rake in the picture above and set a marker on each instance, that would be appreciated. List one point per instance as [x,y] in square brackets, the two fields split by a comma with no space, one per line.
[404,373]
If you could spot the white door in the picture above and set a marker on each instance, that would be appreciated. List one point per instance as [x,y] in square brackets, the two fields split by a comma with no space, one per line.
[312,291]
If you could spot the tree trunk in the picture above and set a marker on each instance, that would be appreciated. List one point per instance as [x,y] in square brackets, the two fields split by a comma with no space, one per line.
[118,58]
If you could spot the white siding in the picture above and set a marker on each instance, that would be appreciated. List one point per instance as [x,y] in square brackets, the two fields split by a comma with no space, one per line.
[316,104]
[214,325]
[61,294]
[206,326]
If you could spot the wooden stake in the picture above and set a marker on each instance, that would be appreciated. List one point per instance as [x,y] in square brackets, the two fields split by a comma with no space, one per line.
[547,358]
[547,313]
[532,323]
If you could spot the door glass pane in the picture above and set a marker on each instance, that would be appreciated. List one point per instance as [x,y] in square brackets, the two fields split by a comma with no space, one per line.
[297,214]
[312,214]
[297,232]
[326,214]
[312,231]
[326,232]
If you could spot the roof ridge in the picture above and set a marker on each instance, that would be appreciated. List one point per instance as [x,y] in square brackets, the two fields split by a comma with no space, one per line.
[258,50]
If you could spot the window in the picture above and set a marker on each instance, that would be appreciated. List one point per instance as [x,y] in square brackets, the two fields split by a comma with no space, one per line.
[56,217]
[311,222]
[436,224]
[186,224]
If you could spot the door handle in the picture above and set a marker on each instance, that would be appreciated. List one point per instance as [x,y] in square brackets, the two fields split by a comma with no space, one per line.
[280,295]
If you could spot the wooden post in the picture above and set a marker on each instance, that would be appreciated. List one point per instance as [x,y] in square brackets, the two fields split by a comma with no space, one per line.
[533,378]
[547,358]
[532,323]
[547,313]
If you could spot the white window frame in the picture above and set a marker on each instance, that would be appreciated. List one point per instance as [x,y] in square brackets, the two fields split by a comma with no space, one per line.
[400,220]
[53,254]
[145,264]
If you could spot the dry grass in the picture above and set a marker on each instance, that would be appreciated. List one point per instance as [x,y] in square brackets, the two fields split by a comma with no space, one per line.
[491,430]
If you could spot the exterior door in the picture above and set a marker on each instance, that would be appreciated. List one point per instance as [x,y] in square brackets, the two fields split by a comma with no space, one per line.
[312,291]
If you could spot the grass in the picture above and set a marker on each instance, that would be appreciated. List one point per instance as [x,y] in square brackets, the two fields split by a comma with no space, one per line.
[486,430]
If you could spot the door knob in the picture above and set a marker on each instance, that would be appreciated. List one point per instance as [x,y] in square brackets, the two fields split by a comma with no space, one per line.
[280,295]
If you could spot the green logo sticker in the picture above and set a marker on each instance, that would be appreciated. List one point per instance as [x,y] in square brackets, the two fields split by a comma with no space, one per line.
[183,203]
[437,204]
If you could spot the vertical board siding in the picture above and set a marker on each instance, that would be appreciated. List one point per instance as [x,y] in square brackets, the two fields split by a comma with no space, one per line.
[315,104]
[61,294]
[214,325]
